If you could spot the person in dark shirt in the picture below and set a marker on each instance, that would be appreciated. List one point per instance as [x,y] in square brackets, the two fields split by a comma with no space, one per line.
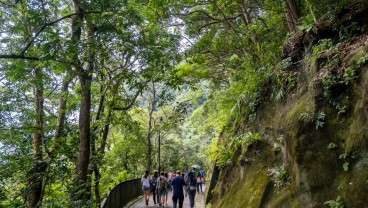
[178,187]
[192,186]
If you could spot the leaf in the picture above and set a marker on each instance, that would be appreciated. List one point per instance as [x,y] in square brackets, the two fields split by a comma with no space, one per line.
[345,166]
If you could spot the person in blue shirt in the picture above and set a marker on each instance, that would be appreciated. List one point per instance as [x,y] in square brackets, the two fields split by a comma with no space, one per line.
[178,187]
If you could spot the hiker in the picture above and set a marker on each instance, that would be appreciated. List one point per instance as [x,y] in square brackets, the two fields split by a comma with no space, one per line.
[161,188]
[168,188]
[191,188]
[199,181]
[178,187]
[202,175]
[170,176]
[146,185]
[154,187]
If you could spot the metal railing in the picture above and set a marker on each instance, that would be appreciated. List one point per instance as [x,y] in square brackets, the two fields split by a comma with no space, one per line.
[123,193]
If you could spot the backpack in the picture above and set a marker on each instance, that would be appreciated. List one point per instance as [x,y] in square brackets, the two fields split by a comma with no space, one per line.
[192,184]
[163,183]
[154,182]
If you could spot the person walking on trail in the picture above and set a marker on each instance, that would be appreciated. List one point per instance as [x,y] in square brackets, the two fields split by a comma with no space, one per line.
[191,188]
[170,176]
[199,182]
[161,188]
[168,188]
[178,187]
[146,185]
[154,187]
[202,175]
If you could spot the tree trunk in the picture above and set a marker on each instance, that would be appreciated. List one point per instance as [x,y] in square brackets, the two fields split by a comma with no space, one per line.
[97,184]
[38,167]
[59,130]
[150,127]
[247,21]
[290,22]
[84,144]
[101,152]
[292,14]
[96,156]
[81,190]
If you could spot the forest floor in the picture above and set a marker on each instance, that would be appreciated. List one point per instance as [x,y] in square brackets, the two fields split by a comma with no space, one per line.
[198,201]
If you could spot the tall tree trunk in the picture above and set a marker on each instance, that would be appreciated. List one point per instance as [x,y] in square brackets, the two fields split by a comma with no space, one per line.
[151,107]
[291,25]
[59,130]
[38,166]
[101,152]
[94,151]
[84,128]
[81,190]
[253,35]
[248,21]
[292,14]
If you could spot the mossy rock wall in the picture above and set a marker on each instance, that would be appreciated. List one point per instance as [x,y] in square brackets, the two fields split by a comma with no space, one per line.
[321,163]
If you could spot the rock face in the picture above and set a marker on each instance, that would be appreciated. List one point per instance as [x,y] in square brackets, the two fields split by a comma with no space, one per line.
[313,145]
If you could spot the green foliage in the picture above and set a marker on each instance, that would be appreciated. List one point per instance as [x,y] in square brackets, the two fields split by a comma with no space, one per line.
[337,203]
[279,176]
[328,9]
[285,83]
[344,158]
[322,46]
[250,138]
[277,145]
[342,78]
[345,166]
[307,24]
[224,156]
[349,31]
[318,120]
[306,117]
[362,60]
[331,146]
[220,153]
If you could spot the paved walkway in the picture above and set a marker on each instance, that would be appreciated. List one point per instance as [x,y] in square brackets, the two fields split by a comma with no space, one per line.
[198,201]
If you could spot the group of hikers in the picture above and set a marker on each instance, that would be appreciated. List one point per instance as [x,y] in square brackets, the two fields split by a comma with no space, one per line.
[181,184]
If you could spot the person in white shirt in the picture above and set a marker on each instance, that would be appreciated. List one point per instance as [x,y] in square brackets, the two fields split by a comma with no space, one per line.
[146,185]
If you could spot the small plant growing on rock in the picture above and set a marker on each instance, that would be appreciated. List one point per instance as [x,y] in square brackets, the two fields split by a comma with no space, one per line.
[343,157]
[318,120]
[338,203]
[306,117]
[362,60]
[322,45]
[331,146]
[279,176]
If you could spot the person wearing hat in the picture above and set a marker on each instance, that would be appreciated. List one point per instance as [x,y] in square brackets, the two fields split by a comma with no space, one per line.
[178,187]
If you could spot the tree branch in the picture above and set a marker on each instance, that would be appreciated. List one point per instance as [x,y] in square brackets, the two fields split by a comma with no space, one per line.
[43,27]
[13,56]
[130,104]
[49,24]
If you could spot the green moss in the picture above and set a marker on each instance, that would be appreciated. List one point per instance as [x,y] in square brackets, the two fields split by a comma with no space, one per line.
[295,110]
[246,191]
